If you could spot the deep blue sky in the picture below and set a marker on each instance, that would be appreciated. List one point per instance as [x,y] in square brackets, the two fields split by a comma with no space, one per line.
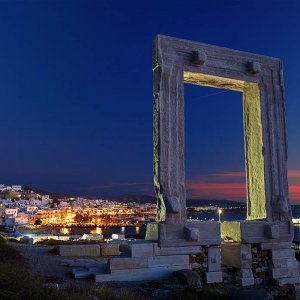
[76,90]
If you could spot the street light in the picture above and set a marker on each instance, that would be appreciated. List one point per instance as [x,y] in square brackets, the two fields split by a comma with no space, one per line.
[219,212]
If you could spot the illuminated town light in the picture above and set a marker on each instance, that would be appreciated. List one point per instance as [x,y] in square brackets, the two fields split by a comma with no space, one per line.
[219,212]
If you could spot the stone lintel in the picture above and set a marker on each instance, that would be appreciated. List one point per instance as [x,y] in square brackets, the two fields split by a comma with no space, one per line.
[176,235]
[257,231]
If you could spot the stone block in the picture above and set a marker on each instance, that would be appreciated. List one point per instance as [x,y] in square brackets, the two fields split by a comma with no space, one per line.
[236,255]
[277,245]
[99,269]
[214,259]
[245,281]
[85,273]
[254,67]
[282,253]
[191,234]
[82,274]
[288,280]
[213,277]
[272,231]
[119,263]
[110,250]
[282,262]
[171,260]
[156,273]
[137,249]
[245,273]
[284,272]
[79,250]
[177,250]
[198,57]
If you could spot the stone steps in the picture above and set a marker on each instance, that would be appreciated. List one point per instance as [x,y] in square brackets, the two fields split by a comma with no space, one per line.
[155,273]
[89,272]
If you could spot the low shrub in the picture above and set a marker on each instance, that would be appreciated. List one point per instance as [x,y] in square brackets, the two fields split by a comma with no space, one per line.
[3,238]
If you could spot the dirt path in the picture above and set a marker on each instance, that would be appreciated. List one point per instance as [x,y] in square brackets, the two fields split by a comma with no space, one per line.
[41,262]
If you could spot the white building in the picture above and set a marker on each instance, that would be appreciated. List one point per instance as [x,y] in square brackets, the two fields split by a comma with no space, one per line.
[32,209]
[16,187]
[45,199]
[21,219]
[11,212]
[35,202]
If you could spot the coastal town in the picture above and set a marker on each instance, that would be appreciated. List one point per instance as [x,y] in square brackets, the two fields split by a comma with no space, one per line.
[24,207]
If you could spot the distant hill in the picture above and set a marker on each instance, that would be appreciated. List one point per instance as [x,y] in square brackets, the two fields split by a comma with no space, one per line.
[206,202]
[190,202]
[57,195]
[128,198]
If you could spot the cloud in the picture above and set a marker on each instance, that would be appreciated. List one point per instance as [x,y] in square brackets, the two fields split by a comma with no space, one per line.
[231,174]
[223,185]
[294,193]
[294,173]
[219,185]
[234,191]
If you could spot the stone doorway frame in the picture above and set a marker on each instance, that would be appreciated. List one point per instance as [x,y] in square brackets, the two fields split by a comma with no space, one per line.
[260,79]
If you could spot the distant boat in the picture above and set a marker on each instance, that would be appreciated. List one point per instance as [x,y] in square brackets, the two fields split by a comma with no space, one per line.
[296,221]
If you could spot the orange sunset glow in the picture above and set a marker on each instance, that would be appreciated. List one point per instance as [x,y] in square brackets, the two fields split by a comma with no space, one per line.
[231,185]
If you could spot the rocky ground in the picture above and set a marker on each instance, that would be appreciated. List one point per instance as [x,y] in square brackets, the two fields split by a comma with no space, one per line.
[57,270]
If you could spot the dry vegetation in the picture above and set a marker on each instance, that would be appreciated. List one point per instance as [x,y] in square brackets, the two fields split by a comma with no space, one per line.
[16,283]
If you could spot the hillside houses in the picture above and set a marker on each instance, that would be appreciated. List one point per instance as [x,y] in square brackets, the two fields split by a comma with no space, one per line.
[33,209]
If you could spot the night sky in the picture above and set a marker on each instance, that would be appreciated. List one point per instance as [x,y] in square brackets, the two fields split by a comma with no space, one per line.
[76,93]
